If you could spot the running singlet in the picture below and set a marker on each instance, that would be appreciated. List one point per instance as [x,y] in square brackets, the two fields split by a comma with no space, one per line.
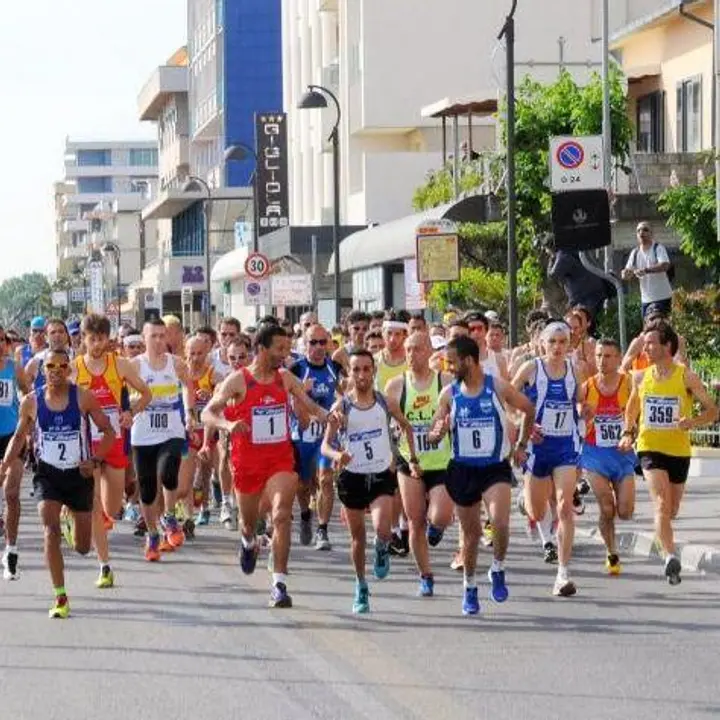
[641,362]
[26,354]
[107,389]
[266,447]
[662,404]
[384,372]
[478,425]
[61,436]
[419,407]
[164,418]
[367,437]
[9,404]
[325,379]
[204,385]
[606,427]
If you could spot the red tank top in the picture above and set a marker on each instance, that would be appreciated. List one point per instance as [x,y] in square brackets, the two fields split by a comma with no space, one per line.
[265,410]
[605,429]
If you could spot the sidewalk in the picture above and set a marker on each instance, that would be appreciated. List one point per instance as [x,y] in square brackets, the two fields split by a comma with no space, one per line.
[697,529]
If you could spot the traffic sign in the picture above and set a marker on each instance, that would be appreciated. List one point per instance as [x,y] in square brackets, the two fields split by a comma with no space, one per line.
[576,163]
[257,292]
[257,266]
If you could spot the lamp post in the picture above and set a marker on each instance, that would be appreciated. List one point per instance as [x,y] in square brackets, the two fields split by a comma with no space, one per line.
[107,248]
[241,152]
[194,184]
[316,98]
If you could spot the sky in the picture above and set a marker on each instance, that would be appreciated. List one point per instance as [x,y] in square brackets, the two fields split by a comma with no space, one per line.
[70,68]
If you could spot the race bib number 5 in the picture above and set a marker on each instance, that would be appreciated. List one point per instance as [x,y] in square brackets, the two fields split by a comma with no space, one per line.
[269,425]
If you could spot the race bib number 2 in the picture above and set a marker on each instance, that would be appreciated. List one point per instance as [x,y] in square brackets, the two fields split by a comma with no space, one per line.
[62,450]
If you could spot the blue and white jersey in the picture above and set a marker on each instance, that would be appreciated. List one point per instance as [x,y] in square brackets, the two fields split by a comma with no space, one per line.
[62,437]
[325,380]
[26,354]
[555,411]
[9,403]
[479,426]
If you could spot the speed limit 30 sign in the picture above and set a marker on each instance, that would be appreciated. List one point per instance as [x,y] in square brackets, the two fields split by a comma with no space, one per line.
[257,266]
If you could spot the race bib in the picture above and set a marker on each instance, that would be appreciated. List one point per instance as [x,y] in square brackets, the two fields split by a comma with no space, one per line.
[608,431]
[7,392]
[661,413]
[113,415]
[476,438]
[421,435]
[557,419]
[313,432]
[269,424]
[158,421]
[369,452]
[62,450]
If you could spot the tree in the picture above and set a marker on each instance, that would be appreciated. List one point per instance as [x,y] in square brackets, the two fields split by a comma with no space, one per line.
[23,296]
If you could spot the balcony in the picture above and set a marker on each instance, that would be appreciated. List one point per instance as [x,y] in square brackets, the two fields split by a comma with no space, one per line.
[74,252]
[164,82]
[76,225]
[73,171]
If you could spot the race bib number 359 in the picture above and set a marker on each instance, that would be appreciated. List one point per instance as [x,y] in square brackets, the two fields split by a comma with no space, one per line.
[661,413]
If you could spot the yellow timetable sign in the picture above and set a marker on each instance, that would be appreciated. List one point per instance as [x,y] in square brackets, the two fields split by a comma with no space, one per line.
[438,252]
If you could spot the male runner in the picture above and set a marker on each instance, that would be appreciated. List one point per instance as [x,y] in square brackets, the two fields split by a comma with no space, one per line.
[57,339]
[660,411]
[611,471]
[253,405]
[174,335]
[107,376]
[58,413]
[322,379]
[158,436]
[374,342]
[36,343]
[12,382]
[551,384]
[360,425]
[474,408]
[427,504]
[493,363]
[357,323]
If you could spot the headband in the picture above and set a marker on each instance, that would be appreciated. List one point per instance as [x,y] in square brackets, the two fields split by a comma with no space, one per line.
[130,339]
[394,325]
[554,328]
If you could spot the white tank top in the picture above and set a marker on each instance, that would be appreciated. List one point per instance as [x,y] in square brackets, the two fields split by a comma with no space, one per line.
[490,364]
[367,437]
[164,417]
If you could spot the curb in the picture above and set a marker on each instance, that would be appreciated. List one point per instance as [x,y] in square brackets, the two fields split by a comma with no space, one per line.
[693,556]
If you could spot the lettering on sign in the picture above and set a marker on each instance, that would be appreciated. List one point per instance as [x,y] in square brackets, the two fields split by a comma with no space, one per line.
[193,274]
[271,184]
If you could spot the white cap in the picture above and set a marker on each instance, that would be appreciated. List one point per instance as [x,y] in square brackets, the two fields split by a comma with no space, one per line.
[492,316]
[438,342]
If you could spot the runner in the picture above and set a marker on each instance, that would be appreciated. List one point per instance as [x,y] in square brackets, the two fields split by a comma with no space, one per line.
[159,435]
[106,376]
[12,381]
[357,324]
[611,472]
[253,406]
[660,412]
[37,341]
[474,408]
[58,413]
[550,383]
[57,339]
[374,342]
[427,504]
[174,335]
[636,358]
[360,426]
[493,363]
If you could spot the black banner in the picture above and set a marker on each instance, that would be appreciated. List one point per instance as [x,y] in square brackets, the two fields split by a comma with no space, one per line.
[581,220]
[271,179]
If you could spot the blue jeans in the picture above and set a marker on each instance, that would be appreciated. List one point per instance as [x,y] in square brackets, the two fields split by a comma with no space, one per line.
[663,306]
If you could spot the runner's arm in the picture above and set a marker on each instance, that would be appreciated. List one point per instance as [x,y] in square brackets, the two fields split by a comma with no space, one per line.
[393,388]
[90,406]
[502,366]
[520,402]
[440,424]
[524,375]
[632,411]
[188,387]
[709,412]
[342,457]
[128,372]
[25,423]
[31,370]
[297,390]
[399,417]
[633,351]
[232,387]
[22,379]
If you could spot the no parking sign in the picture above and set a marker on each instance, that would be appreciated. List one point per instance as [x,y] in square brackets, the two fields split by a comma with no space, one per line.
[576,163]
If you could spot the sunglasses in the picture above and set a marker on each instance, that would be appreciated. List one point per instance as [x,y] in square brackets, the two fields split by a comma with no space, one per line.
[237,358]
[37,331]
[57,366]
[313,343]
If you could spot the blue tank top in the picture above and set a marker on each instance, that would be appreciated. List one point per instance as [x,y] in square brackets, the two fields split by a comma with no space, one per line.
[9,404]
[325,382]
[39,381]
[26,354]
[479,431]
[62,438]
[555,411]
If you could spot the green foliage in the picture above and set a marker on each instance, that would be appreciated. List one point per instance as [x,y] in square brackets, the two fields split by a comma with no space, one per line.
[690,211]
[608,324]
[696,316]
[23,296]
[707,366]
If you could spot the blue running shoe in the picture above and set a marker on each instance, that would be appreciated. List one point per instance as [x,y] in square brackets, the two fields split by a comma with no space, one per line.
[381,567]
[498,592]
[361,603]
[279,597]
[203,518]
[434,535]
[248,557]
[427,586]
[471,605]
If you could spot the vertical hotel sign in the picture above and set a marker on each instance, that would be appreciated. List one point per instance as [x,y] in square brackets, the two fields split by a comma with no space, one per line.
[271,178]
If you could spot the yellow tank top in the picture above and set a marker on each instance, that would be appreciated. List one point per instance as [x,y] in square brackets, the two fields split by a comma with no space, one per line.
[111,376]
[662,404]
[384,372]
[419,409]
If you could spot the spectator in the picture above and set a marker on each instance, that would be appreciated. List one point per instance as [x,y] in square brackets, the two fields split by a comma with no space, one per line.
[650,264]
[580,285]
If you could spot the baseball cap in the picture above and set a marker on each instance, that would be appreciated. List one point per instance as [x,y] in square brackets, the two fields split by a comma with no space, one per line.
[492,316]
[438,342]
[38,323]
[73,327]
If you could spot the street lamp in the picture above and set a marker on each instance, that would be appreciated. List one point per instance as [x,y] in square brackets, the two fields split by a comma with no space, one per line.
[196,184]
[316,98]
[242,152]
[107,248]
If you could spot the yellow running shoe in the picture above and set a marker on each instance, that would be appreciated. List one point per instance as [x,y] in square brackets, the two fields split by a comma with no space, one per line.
[67,526]
[106,579]
[61,608]
[488,536]
[612,564]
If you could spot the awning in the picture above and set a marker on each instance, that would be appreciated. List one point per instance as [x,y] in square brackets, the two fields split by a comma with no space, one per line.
[640,72]
[395,241]
[484,103]
[231,266]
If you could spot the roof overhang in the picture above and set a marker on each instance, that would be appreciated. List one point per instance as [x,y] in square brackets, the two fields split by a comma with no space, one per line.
[483,104]
[231,266]
[162,84]
[646,22]
[171,203]
[641,72]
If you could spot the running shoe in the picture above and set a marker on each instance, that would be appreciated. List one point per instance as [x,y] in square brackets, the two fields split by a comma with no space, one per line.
[612,564]
[189,528]
[173,531]
[381,566]
[397,547]
[471,604]
[67,526]
[550,553]
[216,494]
[583,487]
[132,513]
[9,563]
[140,528]
[427,586]
[203,518]
[179,512]
[248,557]
[60,609]
[279,597]
[457,563]
[434,535]
[322,542]
[225,514]
[564,587]
[306,531]
[152,548]
[498,592]
[672,570]
[578,504]
[106,579]
[488,535]
[361,601]
[165,545]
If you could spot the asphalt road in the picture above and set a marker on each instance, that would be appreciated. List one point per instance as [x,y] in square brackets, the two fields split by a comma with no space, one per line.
[192,637]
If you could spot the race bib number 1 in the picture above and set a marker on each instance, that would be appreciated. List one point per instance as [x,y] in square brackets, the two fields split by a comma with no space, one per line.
[269,425]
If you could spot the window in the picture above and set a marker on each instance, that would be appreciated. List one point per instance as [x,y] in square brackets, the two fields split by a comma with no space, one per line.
[86,208]
[188,232]
[101,158]
[143,157]
[651,123]
[141,187]
[94,184]
[689,115]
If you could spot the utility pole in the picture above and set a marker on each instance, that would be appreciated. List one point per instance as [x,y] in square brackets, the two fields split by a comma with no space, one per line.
[716,80]
[606,117]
